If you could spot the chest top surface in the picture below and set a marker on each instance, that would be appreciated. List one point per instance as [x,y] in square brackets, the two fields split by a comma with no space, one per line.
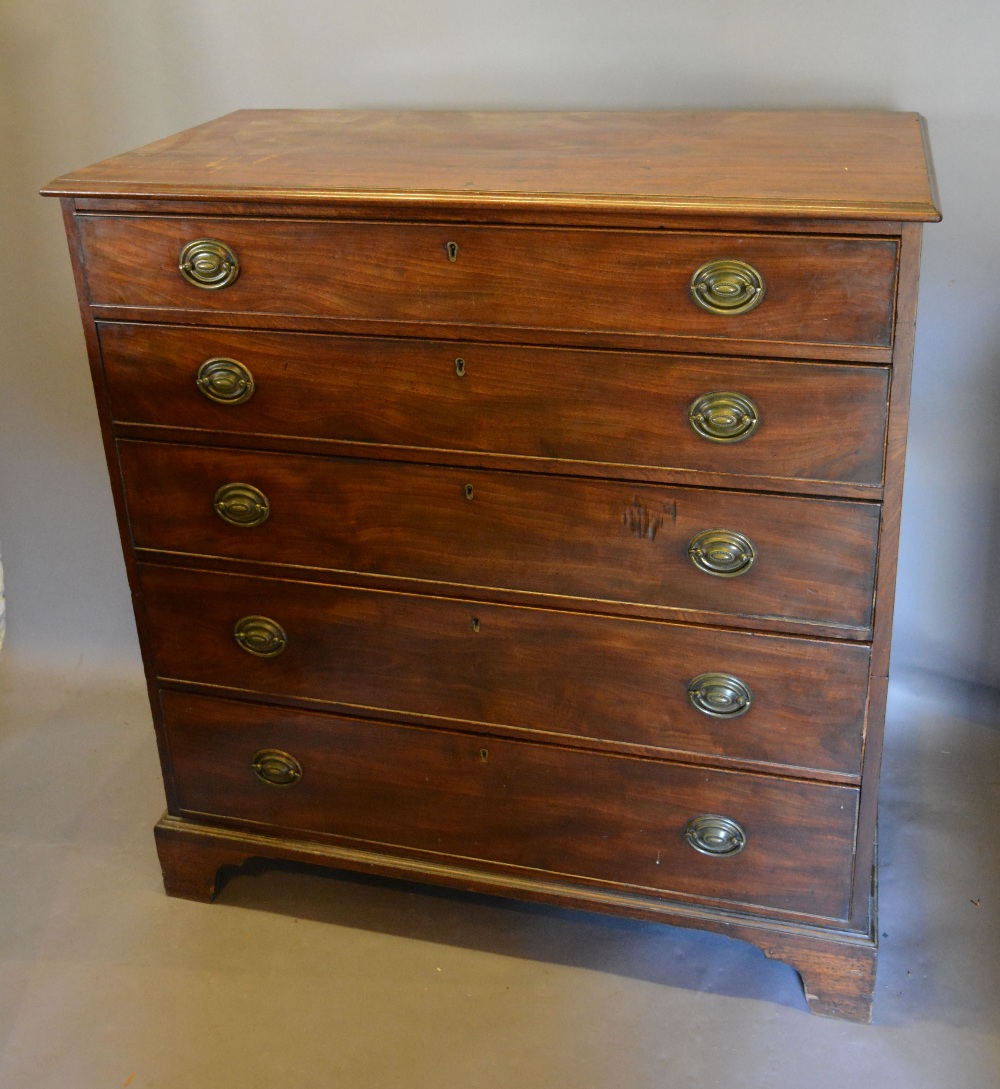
[862,165]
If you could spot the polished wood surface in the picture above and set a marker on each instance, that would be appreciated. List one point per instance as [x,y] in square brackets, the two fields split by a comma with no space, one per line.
[599,541]
[863,164]
[492,558]
[631,284]
[531,672]
[837,966]
[516,804]
[602,410]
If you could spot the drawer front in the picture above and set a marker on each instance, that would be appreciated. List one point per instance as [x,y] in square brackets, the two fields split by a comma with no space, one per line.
[813,421]
[502,803]
[813,559]
[626,682]
[817,289]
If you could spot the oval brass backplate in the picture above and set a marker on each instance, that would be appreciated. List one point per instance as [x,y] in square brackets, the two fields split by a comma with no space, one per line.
[727,287]
[722,552]
[720,837]
[276,768]
[723,417]
[225,381]
[208,263]
[720,695]
[260,636]
[242,505]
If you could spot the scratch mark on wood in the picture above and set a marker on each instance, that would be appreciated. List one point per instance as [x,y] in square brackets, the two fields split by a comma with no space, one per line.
[638,519]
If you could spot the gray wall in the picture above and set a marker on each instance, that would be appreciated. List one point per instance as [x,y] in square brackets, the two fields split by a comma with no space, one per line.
[81,81]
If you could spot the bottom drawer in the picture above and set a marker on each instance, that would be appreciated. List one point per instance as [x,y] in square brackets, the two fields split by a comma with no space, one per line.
[502,804]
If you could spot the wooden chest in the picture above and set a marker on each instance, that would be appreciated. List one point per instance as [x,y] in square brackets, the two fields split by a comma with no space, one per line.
[511,501]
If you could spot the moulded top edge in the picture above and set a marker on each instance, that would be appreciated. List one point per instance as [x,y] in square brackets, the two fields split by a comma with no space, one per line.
[682,206]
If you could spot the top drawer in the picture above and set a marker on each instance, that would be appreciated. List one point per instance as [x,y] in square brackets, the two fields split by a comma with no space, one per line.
[581,283]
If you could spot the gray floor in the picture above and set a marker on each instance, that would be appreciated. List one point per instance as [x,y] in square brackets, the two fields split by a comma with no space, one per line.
[295,978]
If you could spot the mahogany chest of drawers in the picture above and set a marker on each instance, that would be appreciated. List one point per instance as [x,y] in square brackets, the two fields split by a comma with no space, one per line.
[511,501]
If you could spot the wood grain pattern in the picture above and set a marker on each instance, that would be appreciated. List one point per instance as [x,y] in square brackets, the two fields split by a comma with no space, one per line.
[499,592]
[560,537]
[117,490]
[622,683]
[838,978]
[532,807]
[581,282]
[370,207]
[837,966]
[864,164]
[495,334]
[545,406]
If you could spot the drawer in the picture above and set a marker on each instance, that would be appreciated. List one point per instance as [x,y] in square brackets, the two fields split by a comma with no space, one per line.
[814,422]
[617,681]
[581,282]
[807,560]
[508,804]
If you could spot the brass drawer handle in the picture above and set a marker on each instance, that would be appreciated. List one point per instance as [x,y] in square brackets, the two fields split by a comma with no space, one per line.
[208,263]
[723,416]
[276,768]
[716,836]
[720,695]
[727,286]
[225,381]
[242,505]
[722,552]
[260,636]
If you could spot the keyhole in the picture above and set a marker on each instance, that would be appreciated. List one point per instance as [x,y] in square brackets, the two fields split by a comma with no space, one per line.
[468,491]
[460,367]
[475,623]
[484,755]
[451,248]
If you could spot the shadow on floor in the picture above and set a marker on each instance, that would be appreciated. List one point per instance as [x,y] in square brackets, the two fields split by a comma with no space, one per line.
[667,955]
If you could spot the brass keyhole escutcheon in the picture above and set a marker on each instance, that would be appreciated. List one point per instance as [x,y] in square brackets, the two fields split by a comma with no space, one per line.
[720,837]
[469,491]
[727,287]
[484,755]
[276,768]
[451,248]
[208,263]
[460,367]
[719,695]
[225,381]
[722,552]
[242,505]
[260,636]
[723,416]
[475,623]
